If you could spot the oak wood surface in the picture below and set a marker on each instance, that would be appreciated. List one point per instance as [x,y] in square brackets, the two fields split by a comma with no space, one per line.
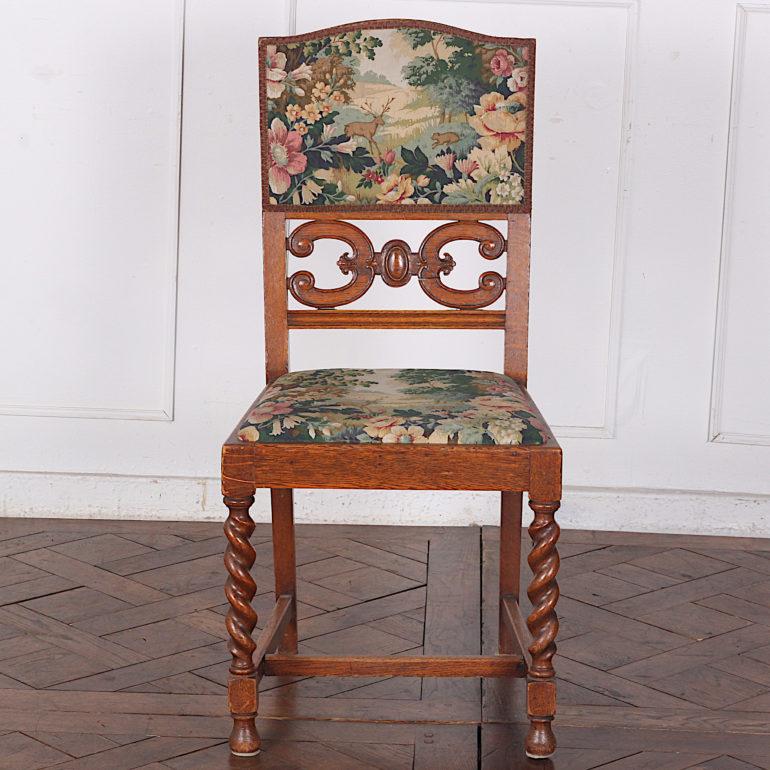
[510,561]
[285,561]
[433,666]
[375,466]
[276,300]
[397,319]
[515,355]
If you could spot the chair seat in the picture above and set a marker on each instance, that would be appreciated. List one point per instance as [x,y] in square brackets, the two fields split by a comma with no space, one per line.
[394,406]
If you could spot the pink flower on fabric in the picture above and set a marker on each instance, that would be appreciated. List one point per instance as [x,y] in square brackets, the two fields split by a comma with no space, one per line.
[389,157]
[502,63]
[286,158]
[518,79]
[276,71]
[466,166]
[446,161]
[268,410]
[348,147]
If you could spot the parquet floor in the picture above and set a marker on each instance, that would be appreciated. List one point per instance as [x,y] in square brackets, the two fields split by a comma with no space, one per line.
[112,652]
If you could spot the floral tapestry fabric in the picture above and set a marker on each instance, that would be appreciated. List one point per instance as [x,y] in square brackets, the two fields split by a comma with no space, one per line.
[393,406]
[396,116]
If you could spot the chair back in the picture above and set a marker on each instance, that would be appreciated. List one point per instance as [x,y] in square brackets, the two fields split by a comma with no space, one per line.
[390,120]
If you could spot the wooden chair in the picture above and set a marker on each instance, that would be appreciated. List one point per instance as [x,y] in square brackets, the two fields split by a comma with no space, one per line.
[338,114]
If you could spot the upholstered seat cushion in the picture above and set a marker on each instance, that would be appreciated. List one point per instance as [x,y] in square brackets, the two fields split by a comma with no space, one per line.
[389,406]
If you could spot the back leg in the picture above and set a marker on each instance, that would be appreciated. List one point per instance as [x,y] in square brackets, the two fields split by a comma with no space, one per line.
[284,559]
[510,561]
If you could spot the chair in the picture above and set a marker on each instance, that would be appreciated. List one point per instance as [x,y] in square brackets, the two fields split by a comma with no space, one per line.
[395,120]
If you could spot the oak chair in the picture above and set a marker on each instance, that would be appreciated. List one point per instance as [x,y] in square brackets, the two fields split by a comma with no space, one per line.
[395,120]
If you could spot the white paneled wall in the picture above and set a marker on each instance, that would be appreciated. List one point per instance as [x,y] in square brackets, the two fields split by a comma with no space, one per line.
[741,384]
[131,299]
[91,131]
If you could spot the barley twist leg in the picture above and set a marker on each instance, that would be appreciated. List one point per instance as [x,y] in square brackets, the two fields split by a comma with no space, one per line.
[241,620]
[543,624]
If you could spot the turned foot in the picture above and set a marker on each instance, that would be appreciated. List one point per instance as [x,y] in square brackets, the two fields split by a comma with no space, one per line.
[540,742]
[244,738]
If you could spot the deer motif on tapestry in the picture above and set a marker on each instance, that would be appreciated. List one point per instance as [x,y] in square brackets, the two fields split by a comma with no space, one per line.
[368,128]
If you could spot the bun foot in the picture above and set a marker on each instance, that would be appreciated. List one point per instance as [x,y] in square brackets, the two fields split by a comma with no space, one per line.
[540,742]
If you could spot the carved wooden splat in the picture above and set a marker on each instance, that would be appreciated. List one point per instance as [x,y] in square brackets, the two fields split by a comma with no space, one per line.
[396,263]
[491,246]
[359,265]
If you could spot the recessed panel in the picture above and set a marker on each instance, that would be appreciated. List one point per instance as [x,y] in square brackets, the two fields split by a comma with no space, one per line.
[90,146]
[742,360]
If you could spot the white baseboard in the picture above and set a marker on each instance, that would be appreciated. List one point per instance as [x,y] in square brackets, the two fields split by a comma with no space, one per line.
[92,496]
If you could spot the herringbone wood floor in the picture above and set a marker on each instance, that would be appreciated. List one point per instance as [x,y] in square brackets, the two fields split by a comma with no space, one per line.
[112,654]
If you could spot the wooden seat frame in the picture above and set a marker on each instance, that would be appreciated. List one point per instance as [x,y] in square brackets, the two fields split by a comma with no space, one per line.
[526,645]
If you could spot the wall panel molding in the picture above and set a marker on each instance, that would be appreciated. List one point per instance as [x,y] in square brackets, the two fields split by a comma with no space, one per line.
[718,431]
[168,286]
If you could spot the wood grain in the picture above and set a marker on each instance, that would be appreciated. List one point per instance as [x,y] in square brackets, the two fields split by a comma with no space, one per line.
[435,665]
[285,561]
[515,356]
[375,466]
[276,300]
[397,319]
[510,561]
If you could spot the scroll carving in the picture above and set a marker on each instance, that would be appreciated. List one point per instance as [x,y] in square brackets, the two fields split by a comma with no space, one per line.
[359,265]
[396,263]
[491,246]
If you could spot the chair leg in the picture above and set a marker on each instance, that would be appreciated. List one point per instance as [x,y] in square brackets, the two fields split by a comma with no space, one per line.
[543,624]
[510,562]
[284,560]
[242,693]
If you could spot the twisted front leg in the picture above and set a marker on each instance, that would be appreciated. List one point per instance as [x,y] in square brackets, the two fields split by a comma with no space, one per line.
[543,624]
[241,620]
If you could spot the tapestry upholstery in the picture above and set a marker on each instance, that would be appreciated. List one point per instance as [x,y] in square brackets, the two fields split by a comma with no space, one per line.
[393,406]
[396,113]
